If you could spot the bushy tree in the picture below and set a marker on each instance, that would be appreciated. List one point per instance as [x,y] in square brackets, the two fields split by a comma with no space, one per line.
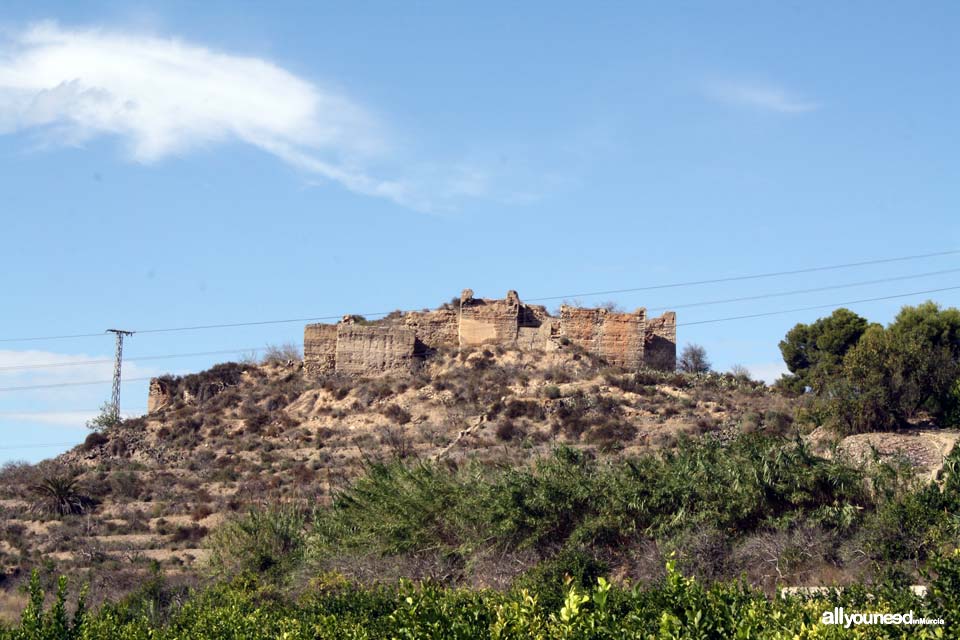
[894,375]
[693,359]
[814,352]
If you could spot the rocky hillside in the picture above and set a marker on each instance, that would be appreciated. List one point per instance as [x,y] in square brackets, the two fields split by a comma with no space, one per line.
[148,491]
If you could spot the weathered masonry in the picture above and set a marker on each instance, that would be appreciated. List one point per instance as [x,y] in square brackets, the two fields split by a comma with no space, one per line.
[355,346]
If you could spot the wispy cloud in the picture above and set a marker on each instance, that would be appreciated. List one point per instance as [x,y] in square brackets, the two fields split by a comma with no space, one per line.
[166,96]
[764,97]
[40,369]
[48,367]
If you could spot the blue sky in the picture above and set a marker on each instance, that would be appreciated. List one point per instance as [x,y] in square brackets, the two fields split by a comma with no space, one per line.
[174,164]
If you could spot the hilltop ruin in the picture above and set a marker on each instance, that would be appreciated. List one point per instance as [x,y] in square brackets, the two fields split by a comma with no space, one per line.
[357,347]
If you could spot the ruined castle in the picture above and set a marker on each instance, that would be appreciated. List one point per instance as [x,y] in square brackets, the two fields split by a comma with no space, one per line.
[357,347]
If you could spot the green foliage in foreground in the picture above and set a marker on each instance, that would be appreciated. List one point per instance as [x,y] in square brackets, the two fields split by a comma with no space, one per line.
[576,510]
[678,608]
[571,498]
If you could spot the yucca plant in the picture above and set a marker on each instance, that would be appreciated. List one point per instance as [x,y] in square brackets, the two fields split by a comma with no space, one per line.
[59,495]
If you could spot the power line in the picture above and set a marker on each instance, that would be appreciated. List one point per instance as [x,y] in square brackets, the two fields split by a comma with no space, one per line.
[48,412]
[38,446]
[683,324]
[68,384]
[23,367]
[63,337]
[757,276]
[819,306]
[20,367]
[541,299]
[193,328]
[779,294]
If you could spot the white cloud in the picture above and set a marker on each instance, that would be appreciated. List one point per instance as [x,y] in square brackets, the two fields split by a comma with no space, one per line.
[18,368]
[166,96]
[31,369]
[759,96]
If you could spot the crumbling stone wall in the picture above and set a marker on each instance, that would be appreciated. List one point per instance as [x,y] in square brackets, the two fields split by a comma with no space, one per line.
[488,321]
[434,329]
[319,349]
[627,340]
[618,338]
[542,337]
[660,348]
[371,349]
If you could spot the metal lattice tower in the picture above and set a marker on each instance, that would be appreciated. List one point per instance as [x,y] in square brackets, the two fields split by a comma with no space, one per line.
[117,363]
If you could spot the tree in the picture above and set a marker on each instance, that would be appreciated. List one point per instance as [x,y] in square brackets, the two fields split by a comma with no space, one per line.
[105,420]
[740,372]
[814,352]
[895,375]
[693,359]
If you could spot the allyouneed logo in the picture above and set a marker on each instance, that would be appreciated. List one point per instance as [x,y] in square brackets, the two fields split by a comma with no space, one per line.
[839,616]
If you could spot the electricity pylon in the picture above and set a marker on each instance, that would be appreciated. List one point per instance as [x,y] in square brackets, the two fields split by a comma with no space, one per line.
[117,363]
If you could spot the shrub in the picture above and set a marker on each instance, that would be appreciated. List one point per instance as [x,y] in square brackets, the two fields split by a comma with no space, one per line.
[777,421]
[106,419]
[396,413]
[507,430]
[552,579]
[59,495]
[255,420]
[189,533]
[551,391]
[281,354]
[265,541]
[94,440]
[125,485]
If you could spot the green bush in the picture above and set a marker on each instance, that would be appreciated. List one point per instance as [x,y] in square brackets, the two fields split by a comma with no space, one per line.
[269,542]
[678,608]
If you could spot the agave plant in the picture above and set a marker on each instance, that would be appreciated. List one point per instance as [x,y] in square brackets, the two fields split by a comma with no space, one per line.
[59,495]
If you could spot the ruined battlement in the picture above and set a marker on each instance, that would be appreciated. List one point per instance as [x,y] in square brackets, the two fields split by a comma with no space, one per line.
[357,347]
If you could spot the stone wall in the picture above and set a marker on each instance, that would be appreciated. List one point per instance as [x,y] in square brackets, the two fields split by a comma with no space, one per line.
[371,349]
[434,329]
[319,349]
[618,338]
[544,337]
[488,321]
[660,348]
[627,340]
